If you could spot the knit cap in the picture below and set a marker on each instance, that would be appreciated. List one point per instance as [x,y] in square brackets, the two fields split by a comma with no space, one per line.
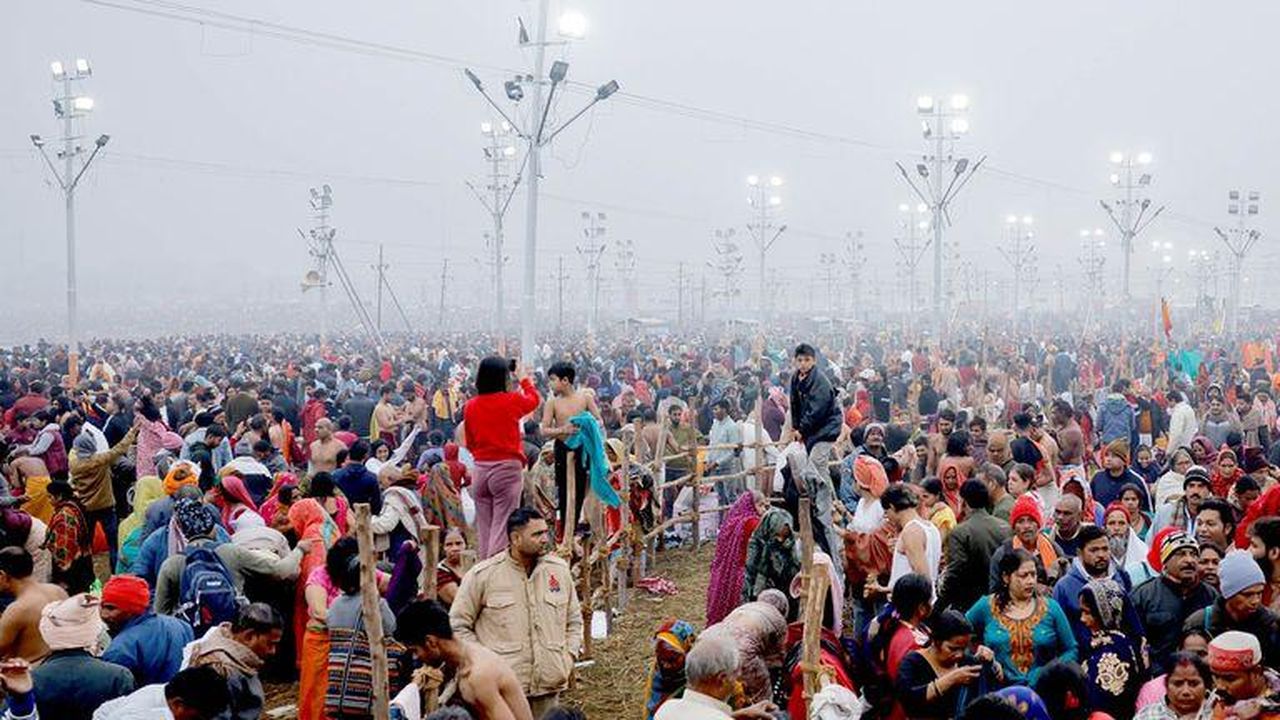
[1238,571]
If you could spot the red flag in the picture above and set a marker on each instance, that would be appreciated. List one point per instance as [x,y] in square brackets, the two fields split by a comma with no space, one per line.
[1166,318]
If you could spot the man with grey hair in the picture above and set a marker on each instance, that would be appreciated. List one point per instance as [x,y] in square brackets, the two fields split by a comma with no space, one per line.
[997,482]
[711,669]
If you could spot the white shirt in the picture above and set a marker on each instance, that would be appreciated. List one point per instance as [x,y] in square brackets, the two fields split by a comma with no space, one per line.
[147,703]
[693,706]
[932,554]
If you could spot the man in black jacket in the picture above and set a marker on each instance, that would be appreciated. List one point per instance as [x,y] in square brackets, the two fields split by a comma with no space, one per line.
[816,422]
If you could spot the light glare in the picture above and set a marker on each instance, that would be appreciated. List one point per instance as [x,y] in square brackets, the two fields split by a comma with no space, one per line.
[573,24]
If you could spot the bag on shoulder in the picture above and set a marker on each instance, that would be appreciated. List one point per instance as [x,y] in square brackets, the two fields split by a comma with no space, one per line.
[207,595]
[349,691]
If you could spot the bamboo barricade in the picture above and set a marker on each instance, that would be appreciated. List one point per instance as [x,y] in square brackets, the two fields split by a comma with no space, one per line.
[570,506]
[584,596]
[372,615]
[628,558]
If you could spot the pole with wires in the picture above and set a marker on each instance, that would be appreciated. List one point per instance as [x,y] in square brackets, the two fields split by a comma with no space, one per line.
[1131,212]
[1019,253]
[765,202]
[1239,241]
[591,250]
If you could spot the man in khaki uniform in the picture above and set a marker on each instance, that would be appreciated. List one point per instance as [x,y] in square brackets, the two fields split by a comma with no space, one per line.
[523,606]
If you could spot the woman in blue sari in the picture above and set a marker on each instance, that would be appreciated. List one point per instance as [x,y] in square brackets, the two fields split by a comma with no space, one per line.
[1115,659]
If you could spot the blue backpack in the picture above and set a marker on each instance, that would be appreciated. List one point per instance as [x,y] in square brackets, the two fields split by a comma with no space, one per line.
[207,595]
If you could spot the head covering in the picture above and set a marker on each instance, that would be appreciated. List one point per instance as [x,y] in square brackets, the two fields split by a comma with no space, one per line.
[1175,541]
[84,445]
[194,521]
[182,473]
[1234,651]
[664,683]
[129,593]
[1120,449]
[869,474]
[1026,701]
[1026,506]
[724,591]
[1116,506]
[1197,473]
[311,522]
[71,624]
[1153,552]
[1237,572]
[777,599]
[1106,602]
[232,492]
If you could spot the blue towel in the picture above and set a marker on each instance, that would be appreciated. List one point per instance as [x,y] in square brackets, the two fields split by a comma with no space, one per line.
[590,439]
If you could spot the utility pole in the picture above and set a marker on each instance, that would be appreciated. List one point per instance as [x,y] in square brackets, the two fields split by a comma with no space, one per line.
[854,257]
[591,250]
[703,318]
[827,262]
[444,282]
[942,124]
[70,107]
[680,299]
[381,268]
[325,256]
[496,198]
[728,265]
[537,135]
[1239,240]
[1131,178]
[1092,244]
[1019,252]
[911,246]
[625,264]
[765,202]
[560,278]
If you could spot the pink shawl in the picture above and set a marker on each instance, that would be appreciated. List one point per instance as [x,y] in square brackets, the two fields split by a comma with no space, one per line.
[725,589]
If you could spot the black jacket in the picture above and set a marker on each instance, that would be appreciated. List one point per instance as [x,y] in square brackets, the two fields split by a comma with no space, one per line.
[1264,625]
[1163,611]
[815,414]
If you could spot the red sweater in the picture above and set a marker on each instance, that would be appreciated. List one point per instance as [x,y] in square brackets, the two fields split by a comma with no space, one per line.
[493,423]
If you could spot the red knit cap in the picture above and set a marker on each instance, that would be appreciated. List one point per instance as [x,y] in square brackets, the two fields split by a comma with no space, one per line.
[1116,506]
[1026,506]
[128,593]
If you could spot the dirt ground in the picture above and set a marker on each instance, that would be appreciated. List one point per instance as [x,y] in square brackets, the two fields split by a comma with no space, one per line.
[616,686]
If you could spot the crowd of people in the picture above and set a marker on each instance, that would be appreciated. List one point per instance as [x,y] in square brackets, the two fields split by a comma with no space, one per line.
[1055,527]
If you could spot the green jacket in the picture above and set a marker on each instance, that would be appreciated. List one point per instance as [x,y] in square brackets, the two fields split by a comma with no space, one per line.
[969,550]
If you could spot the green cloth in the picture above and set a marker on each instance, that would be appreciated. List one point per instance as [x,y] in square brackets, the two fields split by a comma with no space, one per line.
[590,439]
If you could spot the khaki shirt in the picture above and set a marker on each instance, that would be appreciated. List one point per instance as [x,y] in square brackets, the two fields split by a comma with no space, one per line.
[533,622]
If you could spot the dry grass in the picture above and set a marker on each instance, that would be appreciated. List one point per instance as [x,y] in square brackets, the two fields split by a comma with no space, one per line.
[617,685]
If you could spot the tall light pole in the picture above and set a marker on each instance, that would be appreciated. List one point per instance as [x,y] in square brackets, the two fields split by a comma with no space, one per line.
[853,259]
[325,256]
[765,202]
[70,106]
[1239,240]
[591,250]
[1131,212]
[536,136]
[942,174]
[1019,251]
[496,198]
[625,264]
[728,265]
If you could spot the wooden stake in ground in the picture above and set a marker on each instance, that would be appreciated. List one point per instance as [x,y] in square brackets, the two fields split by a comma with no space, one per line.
[697,499]
[762,477]
[369,608]
[584,595]
[570,506]
[429,542]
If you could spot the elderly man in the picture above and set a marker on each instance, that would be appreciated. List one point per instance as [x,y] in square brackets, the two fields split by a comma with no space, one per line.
[71,683]
[1068,514]
[149,645]
[1164,603]
[1182,512]
[711,671]
[522,604]
[1243,687]
[1240,606]
[1027,521]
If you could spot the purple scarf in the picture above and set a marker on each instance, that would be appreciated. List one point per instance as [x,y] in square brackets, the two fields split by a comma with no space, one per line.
[725,589]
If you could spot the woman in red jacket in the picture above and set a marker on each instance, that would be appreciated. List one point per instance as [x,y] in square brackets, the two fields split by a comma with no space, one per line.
[492,430]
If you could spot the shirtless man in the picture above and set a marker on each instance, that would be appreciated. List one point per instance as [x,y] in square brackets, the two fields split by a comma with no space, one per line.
[1070,436]
[20,622]
[324,449]
[386,417]
[486,685]
[20,469]
[938,441]
[564,403]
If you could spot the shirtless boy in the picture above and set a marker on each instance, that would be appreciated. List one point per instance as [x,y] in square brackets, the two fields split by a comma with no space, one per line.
[564,403]
[20,622]
[486,685]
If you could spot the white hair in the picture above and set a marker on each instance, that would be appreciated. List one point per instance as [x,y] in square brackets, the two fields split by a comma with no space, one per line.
[713,654]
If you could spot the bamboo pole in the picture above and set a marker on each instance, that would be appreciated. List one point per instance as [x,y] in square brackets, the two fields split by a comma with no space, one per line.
[628,557]
[697,488]
[429,544]
[584,596]
[762,478]
[369,608]
[570,507]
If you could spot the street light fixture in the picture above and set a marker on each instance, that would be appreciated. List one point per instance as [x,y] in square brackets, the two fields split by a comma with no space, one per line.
[572,25]
[1131,217]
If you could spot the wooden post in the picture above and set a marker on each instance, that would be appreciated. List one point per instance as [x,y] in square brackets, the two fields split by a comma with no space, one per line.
[630,557]
[811,644]
[369,608]
[762,478]
[429,543]
[570,506]
[696,481]
[584,595]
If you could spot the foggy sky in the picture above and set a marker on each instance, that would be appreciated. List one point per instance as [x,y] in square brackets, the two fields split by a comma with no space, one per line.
[217,135]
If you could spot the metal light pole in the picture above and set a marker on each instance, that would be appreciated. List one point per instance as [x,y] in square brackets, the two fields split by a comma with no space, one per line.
[941,124]
[537,136]
[591,250]
[1131,178]
[728,265]
[765,202]
[1091,261]
[625,264]
[499,153]
[1239,240]
[911,247]
[69,107]
[1019,252]
[853,259]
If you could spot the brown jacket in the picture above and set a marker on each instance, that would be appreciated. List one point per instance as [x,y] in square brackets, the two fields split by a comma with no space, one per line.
[91,476]
[533,621]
